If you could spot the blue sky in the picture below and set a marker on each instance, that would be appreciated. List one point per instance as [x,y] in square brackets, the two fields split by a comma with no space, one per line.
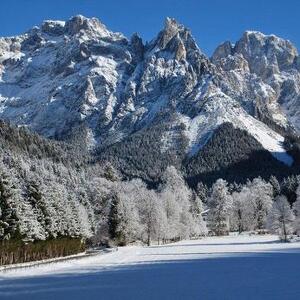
[211,21]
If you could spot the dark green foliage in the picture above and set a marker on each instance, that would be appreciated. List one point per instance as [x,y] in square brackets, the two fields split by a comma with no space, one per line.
[8,218]
[276,186]
[113,219]
[110,173]
[292,145]
[20,141]
[231,153]
[140,155]
[202,191]
[289,187]
[234,155]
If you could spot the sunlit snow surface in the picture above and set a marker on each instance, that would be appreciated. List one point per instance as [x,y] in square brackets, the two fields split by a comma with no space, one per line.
[236,267]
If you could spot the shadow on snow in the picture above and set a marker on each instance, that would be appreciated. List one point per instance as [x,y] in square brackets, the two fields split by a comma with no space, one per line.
[266,275]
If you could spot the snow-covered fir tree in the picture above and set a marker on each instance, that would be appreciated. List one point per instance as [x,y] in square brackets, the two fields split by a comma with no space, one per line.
[219,204]
[9,198]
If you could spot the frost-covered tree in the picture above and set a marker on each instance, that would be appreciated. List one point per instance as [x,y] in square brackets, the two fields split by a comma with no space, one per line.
[149,214]
[219,204]
[181,206]
[260,201]
[86,212]
[123,219]
[162,223]
[65,213]
[239,219]
[52,197]
[281,218]
[199,225]
[101,192]
[202,192]
[172,211]
[32,213]
[110,173]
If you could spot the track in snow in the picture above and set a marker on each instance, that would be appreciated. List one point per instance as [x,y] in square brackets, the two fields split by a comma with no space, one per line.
[235,267]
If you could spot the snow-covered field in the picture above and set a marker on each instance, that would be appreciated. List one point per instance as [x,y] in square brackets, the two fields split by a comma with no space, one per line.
[234,267]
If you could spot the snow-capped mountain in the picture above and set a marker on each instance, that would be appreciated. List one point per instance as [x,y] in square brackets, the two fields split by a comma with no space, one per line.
[63,78]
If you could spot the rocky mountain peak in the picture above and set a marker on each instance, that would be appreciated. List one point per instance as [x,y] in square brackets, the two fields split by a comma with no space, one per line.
[223,51]
[265,54]
[175,42]
[137,48]
[79,22]
[171,29]
[172,32]
[76,23]
[263,70]
[266,51]
[53,27]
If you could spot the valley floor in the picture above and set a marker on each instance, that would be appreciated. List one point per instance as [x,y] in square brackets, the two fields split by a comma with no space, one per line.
[233,267]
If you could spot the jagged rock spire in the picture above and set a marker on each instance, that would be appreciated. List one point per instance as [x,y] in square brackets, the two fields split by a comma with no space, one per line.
[171,30]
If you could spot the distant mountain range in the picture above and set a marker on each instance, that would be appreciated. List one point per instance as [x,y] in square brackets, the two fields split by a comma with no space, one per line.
[143,106]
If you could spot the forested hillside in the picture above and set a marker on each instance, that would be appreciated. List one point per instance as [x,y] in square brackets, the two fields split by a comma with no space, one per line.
[233,154]
[43,197]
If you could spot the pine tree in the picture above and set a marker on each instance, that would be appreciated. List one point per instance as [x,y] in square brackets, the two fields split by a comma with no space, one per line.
[111,173]
[8,195]
[276,186]
[114,219]
[36,201]
[289,187]
[202,192]
[219,204]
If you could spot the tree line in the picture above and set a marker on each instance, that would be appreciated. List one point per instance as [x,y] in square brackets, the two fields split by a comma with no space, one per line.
[256,206]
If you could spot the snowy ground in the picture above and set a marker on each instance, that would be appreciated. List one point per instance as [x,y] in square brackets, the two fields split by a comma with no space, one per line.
[235,267]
